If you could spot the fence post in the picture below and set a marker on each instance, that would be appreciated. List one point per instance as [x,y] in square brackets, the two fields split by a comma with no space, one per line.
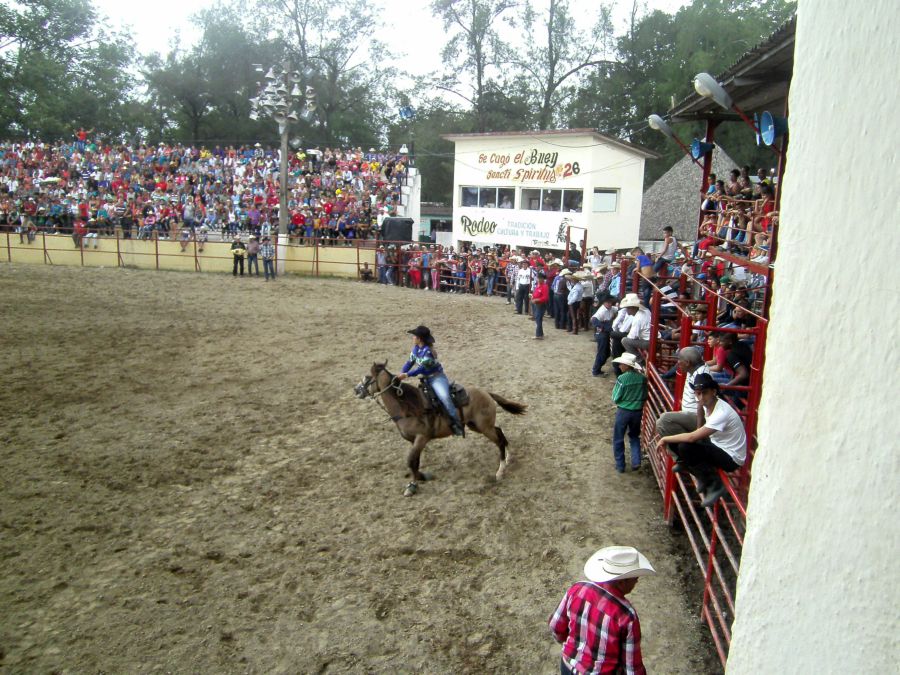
[156,248]
[81,247]
[8,248]
[654,321]
[196,259]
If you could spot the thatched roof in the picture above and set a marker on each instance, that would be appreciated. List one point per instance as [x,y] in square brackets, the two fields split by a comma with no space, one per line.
[674,199]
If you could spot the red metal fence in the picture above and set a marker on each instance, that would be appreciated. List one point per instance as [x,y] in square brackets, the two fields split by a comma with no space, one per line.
[716,533]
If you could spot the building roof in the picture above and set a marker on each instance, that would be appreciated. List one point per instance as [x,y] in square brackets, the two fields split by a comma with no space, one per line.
[674,199]
[758,81]
[557,133]
[430,209]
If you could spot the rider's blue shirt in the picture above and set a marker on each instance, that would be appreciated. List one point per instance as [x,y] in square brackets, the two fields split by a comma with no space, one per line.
[424,361]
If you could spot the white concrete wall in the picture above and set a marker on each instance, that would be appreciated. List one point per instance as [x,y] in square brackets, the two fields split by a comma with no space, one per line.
[625,171]
[819,587]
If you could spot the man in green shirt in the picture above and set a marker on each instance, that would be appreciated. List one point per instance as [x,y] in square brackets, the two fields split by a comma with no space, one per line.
[628,394]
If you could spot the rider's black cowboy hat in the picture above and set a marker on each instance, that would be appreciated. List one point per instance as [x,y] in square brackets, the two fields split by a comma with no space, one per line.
[423,333]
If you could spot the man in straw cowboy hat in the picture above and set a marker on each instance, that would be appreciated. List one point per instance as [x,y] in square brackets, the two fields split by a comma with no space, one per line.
[597,627]
[638,337]
[628,394]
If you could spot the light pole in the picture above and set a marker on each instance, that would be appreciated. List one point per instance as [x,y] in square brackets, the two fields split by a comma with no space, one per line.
[280,98]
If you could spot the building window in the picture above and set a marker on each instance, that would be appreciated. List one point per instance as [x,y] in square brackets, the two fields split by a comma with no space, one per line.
[487,198]
[551,200]
[572,200]
[605,200]
[531,199]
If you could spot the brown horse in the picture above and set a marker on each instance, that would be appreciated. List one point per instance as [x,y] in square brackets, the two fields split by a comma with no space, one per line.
[406,406]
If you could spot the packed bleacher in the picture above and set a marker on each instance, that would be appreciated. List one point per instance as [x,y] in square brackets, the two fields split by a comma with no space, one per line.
[87,188]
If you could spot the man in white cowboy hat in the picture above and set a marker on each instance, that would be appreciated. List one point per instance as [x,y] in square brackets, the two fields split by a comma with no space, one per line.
[620,327]
[628,394]
[638,337]
[559,290]
[597,627]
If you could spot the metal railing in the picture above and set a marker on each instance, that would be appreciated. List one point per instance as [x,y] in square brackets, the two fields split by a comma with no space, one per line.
[716,533]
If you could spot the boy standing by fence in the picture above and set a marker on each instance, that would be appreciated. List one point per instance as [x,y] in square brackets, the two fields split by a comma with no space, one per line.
[628,394]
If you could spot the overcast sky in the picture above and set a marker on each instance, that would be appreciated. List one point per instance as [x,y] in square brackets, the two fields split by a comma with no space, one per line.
[407,22]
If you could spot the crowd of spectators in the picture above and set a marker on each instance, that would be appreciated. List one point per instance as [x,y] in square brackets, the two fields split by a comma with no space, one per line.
[88,189]
[739,215]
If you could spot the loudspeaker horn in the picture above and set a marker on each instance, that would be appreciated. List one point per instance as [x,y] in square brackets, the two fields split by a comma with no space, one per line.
[771,127]
[700,149]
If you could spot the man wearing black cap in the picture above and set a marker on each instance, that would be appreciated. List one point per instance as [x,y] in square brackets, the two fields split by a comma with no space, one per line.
[719,442]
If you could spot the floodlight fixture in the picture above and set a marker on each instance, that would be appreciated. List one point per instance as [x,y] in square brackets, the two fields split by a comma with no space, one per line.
[706,85]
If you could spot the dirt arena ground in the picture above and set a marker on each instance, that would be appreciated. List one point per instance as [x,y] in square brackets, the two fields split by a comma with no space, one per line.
[189,485]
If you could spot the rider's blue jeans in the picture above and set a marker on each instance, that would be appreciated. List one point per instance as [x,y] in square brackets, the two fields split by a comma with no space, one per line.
[441,386]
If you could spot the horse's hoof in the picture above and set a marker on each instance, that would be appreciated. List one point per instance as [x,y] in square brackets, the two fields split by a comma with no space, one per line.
[410,490]
[425,476]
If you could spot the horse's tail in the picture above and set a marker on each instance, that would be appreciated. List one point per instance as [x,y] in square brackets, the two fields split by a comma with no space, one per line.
[509,406]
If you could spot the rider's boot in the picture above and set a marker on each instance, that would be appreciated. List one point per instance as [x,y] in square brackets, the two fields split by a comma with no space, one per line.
[457,428]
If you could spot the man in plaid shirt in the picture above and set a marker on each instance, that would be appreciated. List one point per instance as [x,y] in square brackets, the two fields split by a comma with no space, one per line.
[267,251]
[597,627]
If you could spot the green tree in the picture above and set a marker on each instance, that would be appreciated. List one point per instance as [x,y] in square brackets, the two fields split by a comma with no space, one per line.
[59,71]
[657,57]
[335,48]
[473,49]
[556,51]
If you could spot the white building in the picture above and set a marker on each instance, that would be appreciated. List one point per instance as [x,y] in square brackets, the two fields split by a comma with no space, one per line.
[524,188]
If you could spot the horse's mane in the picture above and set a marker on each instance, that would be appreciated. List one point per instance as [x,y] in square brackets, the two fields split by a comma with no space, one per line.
[412,401]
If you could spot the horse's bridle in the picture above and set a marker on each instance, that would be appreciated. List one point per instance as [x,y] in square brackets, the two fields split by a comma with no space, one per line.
[364,388]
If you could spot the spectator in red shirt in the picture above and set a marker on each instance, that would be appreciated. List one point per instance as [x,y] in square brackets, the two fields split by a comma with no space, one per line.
[540,298]
[597,627]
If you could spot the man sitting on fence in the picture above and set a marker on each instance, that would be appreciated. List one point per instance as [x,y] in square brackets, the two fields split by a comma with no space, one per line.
[718,442]
[690,362]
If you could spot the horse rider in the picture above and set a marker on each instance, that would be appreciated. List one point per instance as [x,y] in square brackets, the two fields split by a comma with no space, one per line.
[424,358]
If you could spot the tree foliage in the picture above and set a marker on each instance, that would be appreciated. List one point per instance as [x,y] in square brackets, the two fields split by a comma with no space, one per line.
[509,65]
[59,70]
[557,52]
[473,49]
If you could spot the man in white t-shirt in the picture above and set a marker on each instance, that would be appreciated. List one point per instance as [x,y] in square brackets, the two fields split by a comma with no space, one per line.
[691,363]
[718,442]
[638,338]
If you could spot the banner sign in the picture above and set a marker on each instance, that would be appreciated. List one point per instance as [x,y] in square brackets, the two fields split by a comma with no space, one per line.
[528,165]
[543,229]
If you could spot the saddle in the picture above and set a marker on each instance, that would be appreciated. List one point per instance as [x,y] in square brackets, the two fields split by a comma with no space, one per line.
[458,395]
